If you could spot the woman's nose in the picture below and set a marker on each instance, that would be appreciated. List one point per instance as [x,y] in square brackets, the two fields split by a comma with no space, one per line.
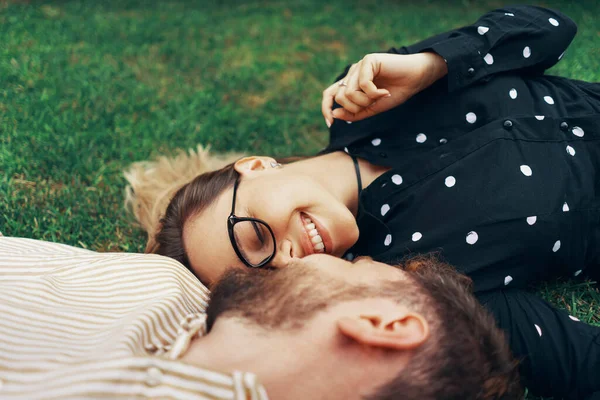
[283,256]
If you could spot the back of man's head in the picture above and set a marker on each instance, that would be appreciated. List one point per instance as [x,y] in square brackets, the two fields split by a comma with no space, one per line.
[468,356]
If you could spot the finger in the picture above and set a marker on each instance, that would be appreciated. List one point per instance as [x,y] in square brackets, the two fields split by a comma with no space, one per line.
[343,114]
[343,101]
[376,107]
[351,85]
[359,98]
[366,75]
[353,91]
[327,103]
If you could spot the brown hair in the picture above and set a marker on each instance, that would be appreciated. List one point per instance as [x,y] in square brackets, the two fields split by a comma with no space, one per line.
[470,358]
[153,183]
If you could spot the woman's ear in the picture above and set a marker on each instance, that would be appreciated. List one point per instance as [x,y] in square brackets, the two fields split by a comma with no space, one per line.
[404,330]
[250,165]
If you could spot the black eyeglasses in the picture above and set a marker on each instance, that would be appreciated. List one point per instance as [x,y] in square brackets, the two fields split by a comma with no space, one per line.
[252,239]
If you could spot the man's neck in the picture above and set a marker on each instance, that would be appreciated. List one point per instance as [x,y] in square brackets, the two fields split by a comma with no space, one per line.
[300,371]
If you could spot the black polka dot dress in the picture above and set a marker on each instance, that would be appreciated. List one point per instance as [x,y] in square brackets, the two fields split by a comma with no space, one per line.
[497,168]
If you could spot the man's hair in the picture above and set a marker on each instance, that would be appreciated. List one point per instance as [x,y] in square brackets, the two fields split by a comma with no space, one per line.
[466,357]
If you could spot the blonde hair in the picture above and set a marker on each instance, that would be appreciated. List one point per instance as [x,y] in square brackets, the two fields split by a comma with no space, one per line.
[152,184]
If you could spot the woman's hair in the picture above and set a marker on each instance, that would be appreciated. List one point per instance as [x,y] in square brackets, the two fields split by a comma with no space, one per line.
[152,184]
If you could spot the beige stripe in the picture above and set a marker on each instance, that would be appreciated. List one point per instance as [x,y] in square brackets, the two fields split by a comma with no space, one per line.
[125,367]
[37,246]
[69,328]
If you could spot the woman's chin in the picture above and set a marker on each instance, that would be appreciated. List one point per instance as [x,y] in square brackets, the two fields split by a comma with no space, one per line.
[349,239]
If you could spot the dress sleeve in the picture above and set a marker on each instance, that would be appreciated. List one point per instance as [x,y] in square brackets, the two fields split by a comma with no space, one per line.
[560,355]
[527,38]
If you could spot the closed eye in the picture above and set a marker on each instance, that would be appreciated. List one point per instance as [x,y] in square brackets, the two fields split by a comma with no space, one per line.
[258,231]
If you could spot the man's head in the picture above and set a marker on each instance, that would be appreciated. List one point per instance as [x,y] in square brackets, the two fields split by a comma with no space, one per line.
[366,330]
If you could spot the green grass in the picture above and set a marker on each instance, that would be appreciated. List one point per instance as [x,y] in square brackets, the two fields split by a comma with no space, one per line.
[90,86]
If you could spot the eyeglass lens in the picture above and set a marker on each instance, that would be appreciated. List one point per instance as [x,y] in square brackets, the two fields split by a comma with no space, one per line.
[254,240]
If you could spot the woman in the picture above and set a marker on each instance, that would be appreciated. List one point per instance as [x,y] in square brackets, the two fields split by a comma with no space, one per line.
[469,151]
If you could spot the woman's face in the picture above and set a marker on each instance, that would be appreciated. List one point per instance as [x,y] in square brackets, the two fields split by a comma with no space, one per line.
[285,199]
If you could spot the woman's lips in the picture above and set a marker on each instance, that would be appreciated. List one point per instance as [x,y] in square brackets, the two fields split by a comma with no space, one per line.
[306,242]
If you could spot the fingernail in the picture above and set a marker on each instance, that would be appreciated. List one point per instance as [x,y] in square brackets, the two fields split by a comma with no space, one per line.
[388,95]
[328,123]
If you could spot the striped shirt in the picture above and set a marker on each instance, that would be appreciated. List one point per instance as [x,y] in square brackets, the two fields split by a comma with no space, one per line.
[79,324]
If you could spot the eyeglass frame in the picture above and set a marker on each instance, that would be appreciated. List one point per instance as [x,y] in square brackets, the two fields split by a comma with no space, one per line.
[234,219]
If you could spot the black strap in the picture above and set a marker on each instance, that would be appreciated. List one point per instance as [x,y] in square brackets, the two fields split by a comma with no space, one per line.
[358,178]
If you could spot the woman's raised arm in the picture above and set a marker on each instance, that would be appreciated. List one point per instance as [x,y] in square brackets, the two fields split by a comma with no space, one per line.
[521,38]
[526,38]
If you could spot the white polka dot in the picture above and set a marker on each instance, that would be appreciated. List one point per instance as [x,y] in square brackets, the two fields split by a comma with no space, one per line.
[349,257]
[531,220]
[443,140]
[526,170]
[482,30]
[388,240]
[565,207]
[526,52]
[539,117]
[508,279]
[553,21]
[561,55]
[450,181]
[397,179]
[348,122]
[509,14]
[573,318]
[538,329]
[577,131]
[421,138]
[489,59]
[577,273]
[376,142]
[556,246]
[384,209]
[570,150]
[346,149]
[513,93]
[472,237]
[416,236]
[471,117]
[548,99]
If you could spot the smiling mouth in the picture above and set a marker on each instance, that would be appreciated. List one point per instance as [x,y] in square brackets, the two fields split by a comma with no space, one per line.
[314,236]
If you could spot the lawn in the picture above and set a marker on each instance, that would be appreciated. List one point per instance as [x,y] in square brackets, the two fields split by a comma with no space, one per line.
[90,86]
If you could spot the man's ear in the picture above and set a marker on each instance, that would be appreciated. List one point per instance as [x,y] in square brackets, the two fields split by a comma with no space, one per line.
[250,165]
[404,330]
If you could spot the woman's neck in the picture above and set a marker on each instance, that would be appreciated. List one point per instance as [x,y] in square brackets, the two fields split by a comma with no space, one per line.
[336,172]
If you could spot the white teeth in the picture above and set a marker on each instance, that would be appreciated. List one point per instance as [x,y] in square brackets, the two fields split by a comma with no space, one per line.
[313,233]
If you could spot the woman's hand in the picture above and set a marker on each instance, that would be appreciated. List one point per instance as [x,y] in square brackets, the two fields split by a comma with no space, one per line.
[380,82]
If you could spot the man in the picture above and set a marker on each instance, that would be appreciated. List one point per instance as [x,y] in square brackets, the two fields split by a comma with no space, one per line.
[75,323]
